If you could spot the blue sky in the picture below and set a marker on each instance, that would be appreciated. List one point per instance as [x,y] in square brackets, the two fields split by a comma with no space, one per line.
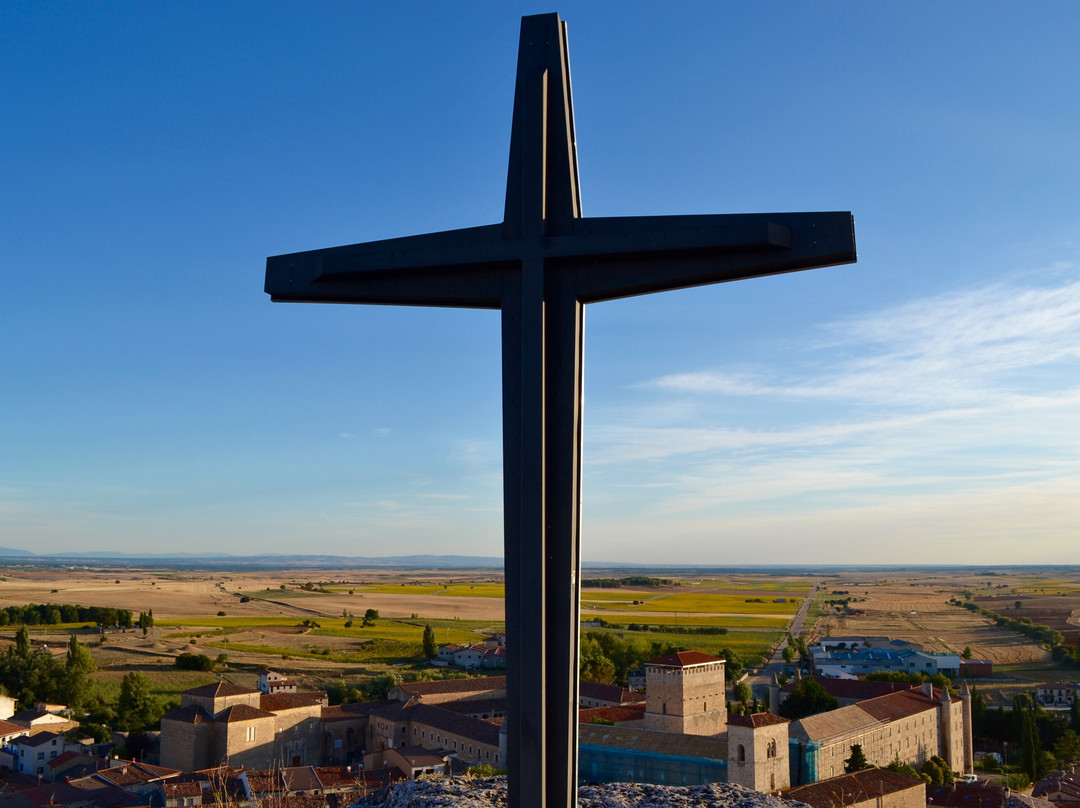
[920,406]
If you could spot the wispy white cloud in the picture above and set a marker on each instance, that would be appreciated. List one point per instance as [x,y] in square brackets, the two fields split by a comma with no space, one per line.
[967,397]
[952,350]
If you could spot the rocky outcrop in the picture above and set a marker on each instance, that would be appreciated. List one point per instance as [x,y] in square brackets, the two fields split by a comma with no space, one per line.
[465,792]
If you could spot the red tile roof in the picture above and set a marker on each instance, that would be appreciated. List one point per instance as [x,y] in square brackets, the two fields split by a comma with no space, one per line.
[589,715]
[612,693]
[846,789]
[898,705]
[755,720]
[241,712]
[218,690]
[477,685]
[684,659]
[274,702]
[8,728]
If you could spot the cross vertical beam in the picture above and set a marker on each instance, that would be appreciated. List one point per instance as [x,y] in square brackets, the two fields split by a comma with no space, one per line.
[540,266]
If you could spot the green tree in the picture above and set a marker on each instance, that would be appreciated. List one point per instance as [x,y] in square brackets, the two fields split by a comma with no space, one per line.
[483,770]
[932,774]
[138,708]
[193,662]
[21,648]
[789,653]
[146,621]
[378,687]
[808,698]
[1074,715]
[78,665]
[742,692]
[1067,748]
[733,663]
[598,668]
[370,616]
[1018,781]
[857,761]
[903,768]
[947,774]
[431,648]
[1030,748]
[967,653]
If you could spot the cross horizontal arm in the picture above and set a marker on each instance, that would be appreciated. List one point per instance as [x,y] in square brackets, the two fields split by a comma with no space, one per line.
[677,252]
[462,268]
[605,258]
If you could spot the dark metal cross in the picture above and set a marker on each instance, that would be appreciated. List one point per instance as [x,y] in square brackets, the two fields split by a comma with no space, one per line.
[539,268]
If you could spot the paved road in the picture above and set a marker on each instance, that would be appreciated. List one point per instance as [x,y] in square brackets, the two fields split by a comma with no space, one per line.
[761,682]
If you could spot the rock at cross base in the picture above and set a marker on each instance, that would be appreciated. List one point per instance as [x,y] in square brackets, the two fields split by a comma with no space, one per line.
[466,792]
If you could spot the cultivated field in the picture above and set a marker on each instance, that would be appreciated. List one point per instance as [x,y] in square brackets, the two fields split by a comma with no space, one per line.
[310,627]
[916,607]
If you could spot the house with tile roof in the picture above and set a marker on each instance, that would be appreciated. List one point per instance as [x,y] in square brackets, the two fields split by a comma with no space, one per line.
[450,690]
[1057,694]
[870,788]
[984,794]
[223,723]
[31,753]
[1061,788]
[274,682]
[42,721]
[845,691]
[594,694]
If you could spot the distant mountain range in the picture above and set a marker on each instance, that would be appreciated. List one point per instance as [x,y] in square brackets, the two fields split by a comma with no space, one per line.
[227,560]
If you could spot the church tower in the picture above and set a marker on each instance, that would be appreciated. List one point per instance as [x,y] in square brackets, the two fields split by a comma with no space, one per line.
[684,694]
[758,752]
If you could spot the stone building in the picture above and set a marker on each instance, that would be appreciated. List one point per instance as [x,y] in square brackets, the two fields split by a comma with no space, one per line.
[912,725]
[758,752]
[223,723]
[684,694]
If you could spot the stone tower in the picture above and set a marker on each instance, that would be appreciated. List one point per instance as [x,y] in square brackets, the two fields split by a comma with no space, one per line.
[966,714]
[758,752]
[684,694]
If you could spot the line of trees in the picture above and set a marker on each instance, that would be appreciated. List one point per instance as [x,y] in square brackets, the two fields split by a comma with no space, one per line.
[1050,637]
[630,580]
[50,614]
[663,629]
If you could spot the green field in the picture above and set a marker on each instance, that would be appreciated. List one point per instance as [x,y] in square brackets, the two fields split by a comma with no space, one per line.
[385,641]
[736,621]
[750,645]
[697,603]
[280,594]
[166,682]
